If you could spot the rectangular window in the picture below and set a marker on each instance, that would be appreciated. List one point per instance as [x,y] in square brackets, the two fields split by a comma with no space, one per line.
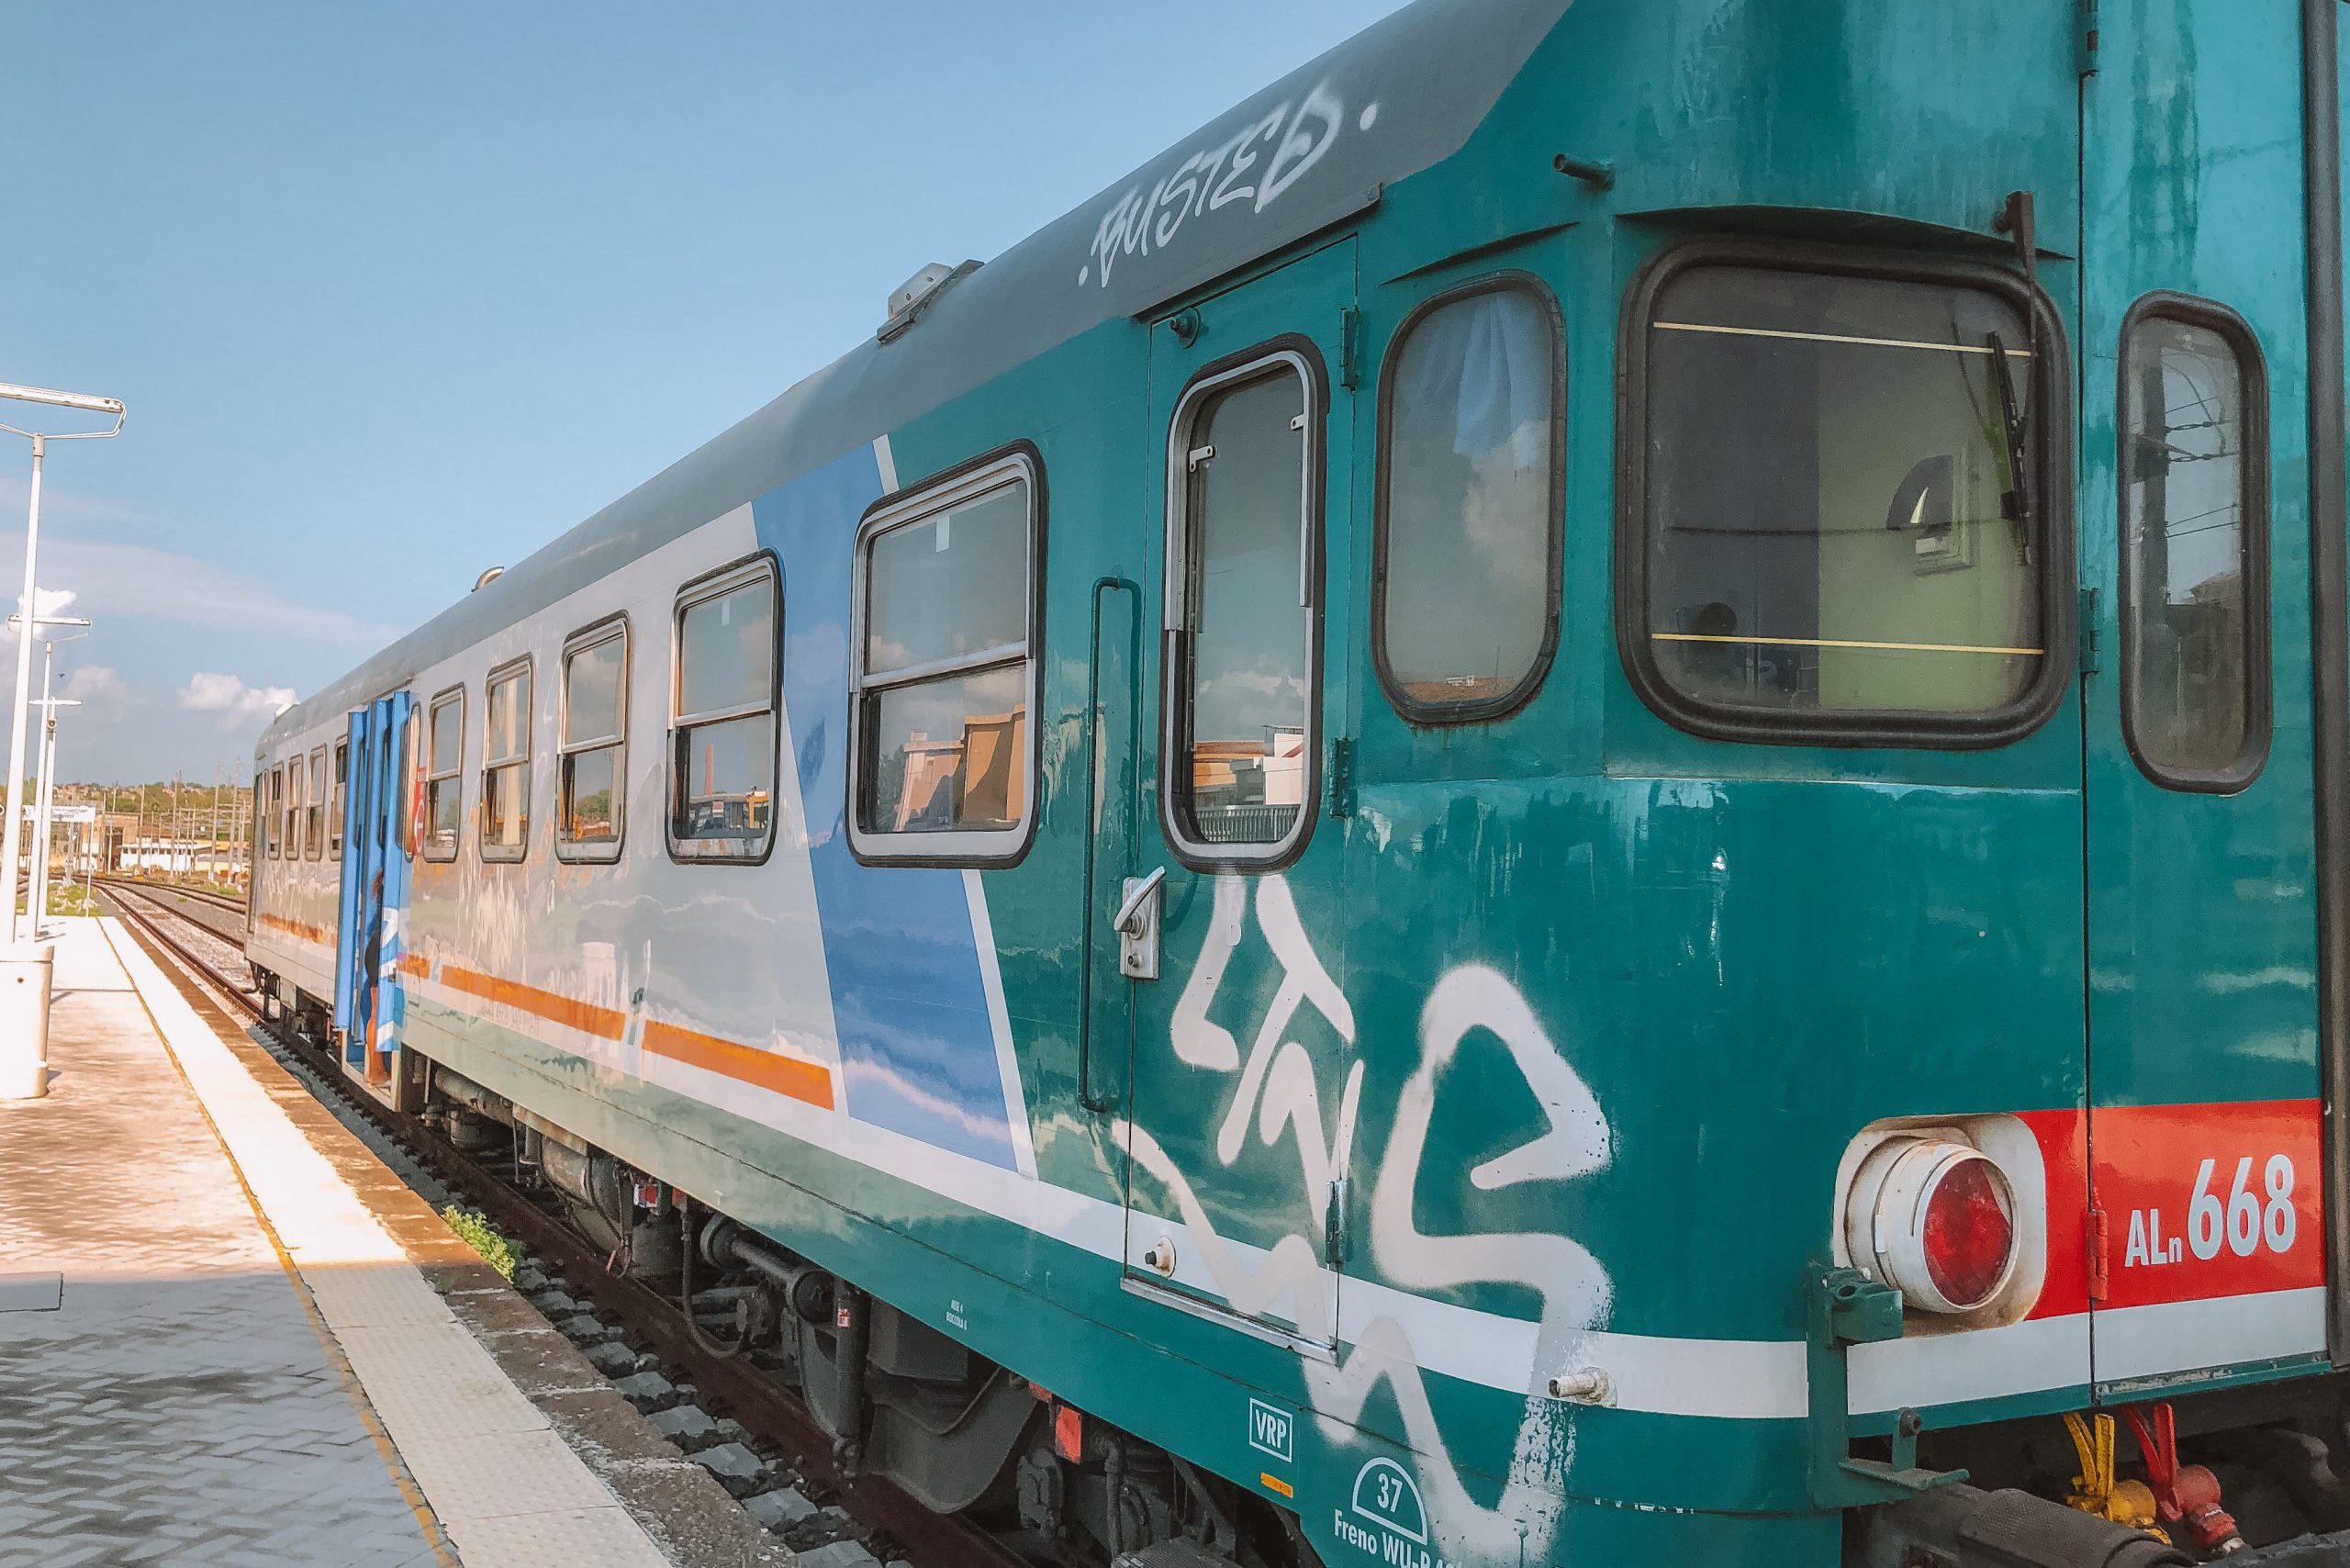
[314,807]
[1836,518]
[1243,613]
[944,680]
[1465,590]
[273,824]
[722,767]
[444,775]
[2194,516]
[335,803]
[292,825]
[506,764]
[591,743]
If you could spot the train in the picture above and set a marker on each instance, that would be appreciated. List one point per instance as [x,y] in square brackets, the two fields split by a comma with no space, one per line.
[1349,863]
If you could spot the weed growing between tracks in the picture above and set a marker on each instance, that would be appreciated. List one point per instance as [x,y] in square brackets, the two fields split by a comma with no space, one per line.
[473,1230]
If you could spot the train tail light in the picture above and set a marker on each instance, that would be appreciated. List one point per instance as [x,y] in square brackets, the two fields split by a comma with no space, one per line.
[1935,1219]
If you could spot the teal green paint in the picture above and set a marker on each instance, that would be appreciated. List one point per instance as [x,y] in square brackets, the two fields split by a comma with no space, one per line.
[1746,953]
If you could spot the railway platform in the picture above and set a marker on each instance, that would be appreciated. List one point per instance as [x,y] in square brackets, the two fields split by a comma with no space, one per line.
[229,1335]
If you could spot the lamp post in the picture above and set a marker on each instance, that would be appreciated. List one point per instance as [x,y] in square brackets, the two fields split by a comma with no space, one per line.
[25,970]
[36,899]
[42,827]
[12,835]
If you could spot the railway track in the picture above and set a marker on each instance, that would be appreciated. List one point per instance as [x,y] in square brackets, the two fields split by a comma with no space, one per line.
[729,1384]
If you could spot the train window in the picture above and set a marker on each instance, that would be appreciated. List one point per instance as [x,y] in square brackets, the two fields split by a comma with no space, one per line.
[335,802]
[943,751]
[723,757]
[2194,510]
[1837,520]
[291,828]
[506,764]
[1243,611]
[273,824]
[591,743]
[444,775]
[1464,588]
[314,807]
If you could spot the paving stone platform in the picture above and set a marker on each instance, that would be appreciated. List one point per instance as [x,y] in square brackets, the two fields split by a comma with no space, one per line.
[210,1350]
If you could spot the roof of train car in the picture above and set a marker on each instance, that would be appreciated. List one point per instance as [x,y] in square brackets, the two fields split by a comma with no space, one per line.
[1402,95]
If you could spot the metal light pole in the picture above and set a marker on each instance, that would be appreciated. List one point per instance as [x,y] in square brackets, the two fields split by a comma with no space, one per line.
[12,835]
[37,895]
[42,827]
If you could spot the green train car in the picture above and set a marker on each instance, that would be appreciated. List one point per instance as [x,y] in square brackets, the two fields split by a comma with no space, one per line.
[1579,797]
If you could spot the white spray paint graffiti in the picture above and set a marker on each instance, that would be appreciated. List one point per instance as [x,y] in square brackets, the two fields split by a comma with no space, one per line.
[1573,1287]
[1257,164]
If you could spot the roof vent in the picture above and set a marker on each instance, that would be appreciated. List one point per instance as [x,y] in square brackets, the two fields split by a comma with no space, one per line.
[489,577]
[912,298]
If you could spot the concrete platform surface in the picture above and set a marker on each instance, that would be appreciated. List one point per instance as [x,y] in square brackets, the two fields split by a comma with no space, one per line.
[210,1349]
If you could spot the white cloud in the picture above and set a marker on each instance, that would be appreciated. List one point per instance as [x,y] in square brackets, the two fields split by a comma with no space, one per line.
[239,703]
[103,695]
[51,602]
[164,585]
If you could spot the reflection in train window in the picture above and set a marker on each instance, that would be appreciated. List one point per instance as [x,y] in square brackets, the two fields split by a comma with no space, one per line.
[506,764]
[2194,558]
[591,743]
[1465,591]
[274,822]
[722,772]
[1843,533]
[1243,607]
[334,803]
[942,755]
[444,778]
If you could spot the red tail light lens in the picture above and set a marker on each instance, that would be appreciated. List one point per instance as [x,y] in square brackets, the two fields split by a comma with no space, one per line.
[1935,1219]
[1970,1232]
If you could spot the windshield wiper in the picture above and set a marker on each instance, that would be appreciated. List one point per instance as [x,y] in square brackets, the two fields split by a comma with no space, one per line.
[2016,504]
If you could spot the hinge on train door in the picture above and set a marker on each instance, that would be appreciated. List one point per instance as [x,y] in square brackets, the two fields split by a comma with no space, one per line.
[1334,1224]
[1342,777]
[2085,41]
[1350,348]
[2087,630]
[2100,1240]
[1843,1307]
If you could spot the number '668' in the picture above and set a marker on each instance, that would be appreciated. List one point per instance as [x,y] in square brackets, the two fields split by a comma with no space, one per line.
[2245,1222]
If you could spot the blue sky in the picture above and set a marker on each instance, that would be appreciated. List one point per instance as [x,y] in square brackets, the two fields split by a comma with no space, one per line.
[396,294]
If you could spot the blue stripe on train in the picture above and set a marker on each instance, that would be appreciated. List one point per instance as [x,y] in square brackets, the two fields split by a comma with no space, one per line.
[917,1051]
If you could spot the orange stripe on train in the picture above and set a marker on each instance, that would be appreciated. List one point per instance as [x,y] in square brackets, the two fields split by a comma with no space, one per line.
[584,1016]
[804,1081]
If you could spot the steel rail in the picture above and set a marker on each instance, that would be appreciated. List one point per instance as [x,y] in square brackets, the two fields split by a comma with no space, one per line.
[764,1406]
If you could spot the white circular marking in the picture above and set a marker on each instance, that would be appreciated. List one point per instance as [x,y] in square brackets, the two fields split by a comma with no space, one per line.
[1369,116]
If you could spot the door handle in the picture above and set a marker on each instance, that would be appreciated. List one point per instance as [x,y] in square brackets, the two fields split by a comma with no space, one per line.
[1137,926]
[1138,892]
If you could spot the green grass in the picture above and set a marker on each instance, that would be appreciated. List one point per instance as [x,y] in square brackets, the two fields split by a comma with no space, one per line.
[474,1230]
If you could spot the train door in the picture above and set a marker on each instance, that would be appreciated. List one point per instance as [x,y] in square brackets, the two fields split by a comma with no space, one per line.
[370,1001]
[2204,1112]
[1236,1148]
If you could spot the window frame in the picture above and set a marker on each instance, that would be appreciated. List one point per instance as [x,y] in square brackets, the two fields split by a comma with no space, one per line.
[1299,354]
[274,820]
[338,797]
[290,808]
[2259,717]
[2053,474]
[716,584]
[314,799]
[525,666]
[908,505]
[432,775]
[593,851]
[1487,708]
